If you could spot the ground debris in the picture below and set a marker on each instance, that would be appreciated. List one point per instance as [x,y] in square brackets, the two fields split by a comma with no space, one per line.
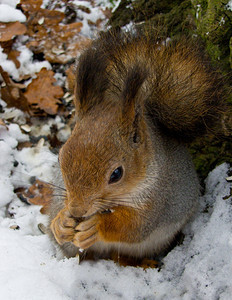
[43,94]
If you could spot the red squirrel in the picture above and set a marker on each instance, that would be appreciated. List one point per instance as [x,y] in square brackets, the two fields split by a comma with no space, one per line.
[130,182]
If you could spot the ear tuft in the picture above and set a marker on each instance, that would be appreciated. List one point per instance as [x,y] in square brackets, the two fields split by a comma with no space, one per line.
[91,80]
[135,77]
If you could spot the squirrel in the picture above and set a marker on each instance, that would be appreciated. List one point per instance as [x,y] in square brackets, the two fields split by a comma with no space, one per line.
[130,184]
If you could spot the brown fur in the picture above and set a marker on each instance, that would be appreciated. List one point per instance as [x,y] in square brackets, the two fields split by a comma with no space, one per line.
[137,101]
[180,89]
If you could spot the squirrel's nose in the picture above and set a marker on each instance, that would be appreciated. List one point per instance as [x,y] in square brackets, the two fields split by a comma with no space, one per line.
[76,211]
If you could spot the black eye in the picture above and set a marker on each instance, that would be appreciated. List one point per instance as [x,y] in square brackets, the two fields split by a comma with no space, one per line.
[116,175]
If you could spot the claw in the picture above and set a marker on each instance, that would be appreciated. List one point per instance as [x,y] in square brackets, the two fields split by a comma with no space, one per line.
[83,242]
[87,233]
[86,225]
[63,226]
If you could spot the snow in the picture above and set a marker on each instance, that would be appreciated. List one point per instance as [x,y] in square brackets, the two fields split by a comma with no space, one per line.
[6,64]
[10,14]
[27,65]
[200,268]
[229,5]
[93,15]
[11,3]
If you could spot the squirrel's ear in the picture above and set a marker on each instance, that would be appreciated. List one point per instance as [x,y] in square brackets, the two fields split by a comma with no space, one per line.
[132,90]
[133,95]
[91,79]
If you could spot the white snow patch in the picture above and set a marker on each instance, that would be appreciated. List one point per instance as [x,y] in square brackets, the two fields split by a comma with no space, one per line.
[7,65]
[13,113]
[11,3]
[229,5]
[95,13]
[27,65]
[200,268]
[9,14]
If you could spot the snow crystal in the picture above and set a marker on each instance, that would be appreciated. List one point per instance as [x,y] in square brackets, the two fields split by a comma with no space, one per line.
[200,268]
[27,65]
[11,3]
[6,162]
[13,113]
[8,65]
[229,5]
[10,14]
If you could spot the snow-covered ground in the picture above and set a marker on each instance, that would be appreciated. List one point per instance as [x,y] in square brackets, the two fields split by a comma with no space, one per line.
[200,268]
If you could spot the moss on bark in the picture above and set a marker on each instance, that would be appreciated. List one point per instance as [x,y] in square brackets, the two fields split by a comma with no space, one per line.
[210,19]
[214,24]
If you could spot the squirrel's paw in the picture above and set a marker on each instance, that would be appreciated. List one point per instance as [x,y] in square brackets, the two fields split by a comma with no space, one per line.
[87,233]
[63,227]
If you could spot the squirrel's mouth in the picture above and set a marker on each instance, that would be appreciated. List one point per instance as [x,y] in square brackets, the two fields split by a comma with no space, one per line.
[107,211]
[90,213]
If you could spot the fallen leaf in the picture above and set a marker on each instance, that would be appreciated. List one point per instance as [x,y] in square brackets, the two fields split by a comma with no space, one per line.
[22,145]
[31,5]
[11,93]
[12,55]
[10,30]
[71,78]
[7,46]
[42,94]
[39,22]
[59,43]
[39,193]
[2,123]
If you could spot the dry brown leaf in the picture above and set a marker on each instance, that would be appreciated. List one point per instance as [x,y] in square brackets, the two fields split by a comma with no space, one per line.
[22,145]
[42,94]
[31,5]
[39,22]
[67,50]
[10,30]
[12,94]
[2,123]
[60,43]
[7,46]
[71,78]
[40,193]
[12,55]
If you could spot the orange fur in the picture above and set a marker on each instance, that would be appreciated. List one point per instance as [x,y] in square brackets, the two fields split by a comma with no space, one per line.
[121,225]
[138,101]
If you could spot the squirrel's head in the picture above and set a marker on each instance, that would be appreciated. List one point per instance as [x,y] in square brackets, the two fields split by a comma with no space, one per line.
[106,157]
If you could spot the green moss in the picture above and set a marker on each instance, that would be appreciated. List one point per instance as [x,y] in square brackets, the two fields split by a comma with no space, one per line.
[214,25]
[207,18]
[231,52]
[150,11]
[209,152]
[122,15]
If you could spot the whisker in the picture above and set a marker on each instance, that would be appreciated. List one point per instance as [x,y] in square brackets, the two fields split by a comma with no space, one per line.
[54,185]
[114,203]
[57,195]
